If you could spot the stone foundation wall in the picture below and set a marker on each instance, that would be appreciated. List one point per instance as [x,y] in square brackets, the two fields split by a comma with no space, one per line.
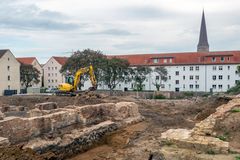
[18,129]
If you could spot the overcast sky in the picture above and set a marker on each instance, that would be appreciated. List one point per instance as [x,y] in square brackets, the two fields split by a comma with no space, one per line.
[44,28]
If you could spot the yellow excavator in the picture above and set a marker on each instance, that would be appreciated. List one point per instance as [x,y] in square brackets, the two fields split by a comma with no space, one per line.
[71,85]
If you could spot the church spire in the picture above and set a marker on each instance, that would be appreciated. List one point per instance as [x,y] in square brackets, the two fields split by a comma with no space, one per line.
[203,40]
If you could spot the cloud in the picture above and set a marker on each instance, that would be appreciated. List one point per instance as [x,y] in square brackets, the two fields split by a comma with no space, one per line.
[31,17]
[113,32]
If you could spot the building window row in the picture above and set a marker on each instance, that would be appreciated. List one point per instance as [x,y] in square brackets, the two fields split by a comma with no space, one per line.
[222,59]
[52,81]
[220,77]
[53,68]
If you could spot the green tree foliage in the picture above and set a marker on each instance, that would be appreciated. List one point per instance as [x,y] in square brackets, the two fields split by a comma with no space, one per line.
[84,58]
[29,75]
[162,74]
[139,76]
[114,71]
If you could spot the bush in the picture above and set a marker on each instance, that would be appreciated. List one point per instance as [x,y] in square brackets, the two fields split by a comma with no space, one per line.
[235,110]
[235,89]
[159,96]
[188,94]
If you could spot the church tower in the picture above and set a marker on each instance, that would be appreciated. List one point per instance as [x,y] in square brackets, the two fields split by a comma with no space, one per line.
[203,40]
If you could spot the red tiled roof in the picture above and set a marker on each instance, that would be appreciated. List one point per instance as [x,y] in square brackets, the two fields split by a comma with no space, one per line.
[61,60]
[26,60]
[185,58]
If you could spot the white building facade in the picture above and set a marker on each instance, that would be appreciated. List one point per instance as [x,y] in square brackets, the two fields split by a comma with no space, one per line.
[192,71]
[51,72]
[10,72]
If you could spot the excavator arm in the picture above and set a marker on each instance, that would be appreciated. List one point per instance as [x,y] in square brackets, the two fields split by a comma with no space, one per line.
[82,71]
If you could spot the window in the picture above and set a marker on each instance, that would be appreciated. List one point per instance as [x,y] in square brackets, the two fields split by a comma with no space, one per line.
[197,68]
[184,86]
[213,59]
[48,68]
[214,68]
[56,74]
[155,60]
[9,78]
[228,67]
[177,90]
[162,86]
[165,61]
[222,59]
[49,82]
[56,80]
[228,86]
[157,78]
[191,77]
[169,77]
[184,68]
[52,81]
[228,58]
[191,68]
[219,86]
[197,86]
[52,68]
[8,68]
[8,59]
[220,68]
[177,81]
[49,74]
[214,86]
[191,86]
[214,77]
[220,77]
[55,68]
[119,85]
[197,77]
[177,73]
[184,77]
[9,87]
[228,77]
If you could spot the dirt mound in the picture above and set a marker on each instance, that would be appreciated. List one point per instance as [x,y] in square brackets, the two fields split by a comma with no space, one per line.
[208,106]
[29,101]
[227,128]
[16,152]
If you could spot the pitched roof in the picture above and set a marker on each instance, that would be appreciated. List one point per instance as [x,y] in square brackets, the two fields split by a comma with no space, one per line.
[185,58]
[61,60]
[26,60]
[2,52]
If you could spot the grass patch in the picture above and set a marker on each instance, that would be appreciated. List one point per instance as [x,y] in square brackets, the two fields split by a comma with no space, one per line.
[223,138]
[235,110]
[237,158]
[159,96]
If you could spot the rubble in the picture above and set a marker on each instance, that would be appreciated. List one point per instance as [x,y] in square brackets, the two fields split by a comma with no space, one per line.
[47,106]
[2,116]
[202,136]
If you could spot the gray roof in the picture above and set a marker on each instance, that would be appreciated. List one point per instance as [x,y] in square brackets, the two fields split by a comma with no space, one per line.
[2,52]
[203,39]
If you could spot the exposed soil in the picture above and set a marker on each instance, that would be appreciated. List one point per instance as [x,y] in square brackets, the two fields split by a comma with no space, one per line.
[136,141]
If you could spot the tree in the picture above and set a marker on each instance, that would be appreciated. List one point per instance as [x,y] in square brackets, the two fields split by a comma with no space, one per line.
[139,76]
[84,58]
[115,70]
[29,75]
[162,76]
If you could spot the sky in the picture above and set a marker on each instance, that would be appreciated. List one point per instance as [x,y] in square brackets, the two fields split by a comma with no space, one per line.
[45,28]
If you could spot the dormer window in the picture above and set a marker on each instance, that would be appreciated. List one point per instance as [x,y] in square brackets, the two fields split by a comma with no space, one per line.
[213,59]
[222,59]
[228,58]
[155,60]
[165,61]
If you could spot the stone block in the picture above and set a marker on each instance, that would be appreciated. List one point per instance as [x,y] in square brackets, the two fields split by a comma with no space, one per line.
[2,116]
[126,110]
[4,142]
[35,113]
[47,106]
